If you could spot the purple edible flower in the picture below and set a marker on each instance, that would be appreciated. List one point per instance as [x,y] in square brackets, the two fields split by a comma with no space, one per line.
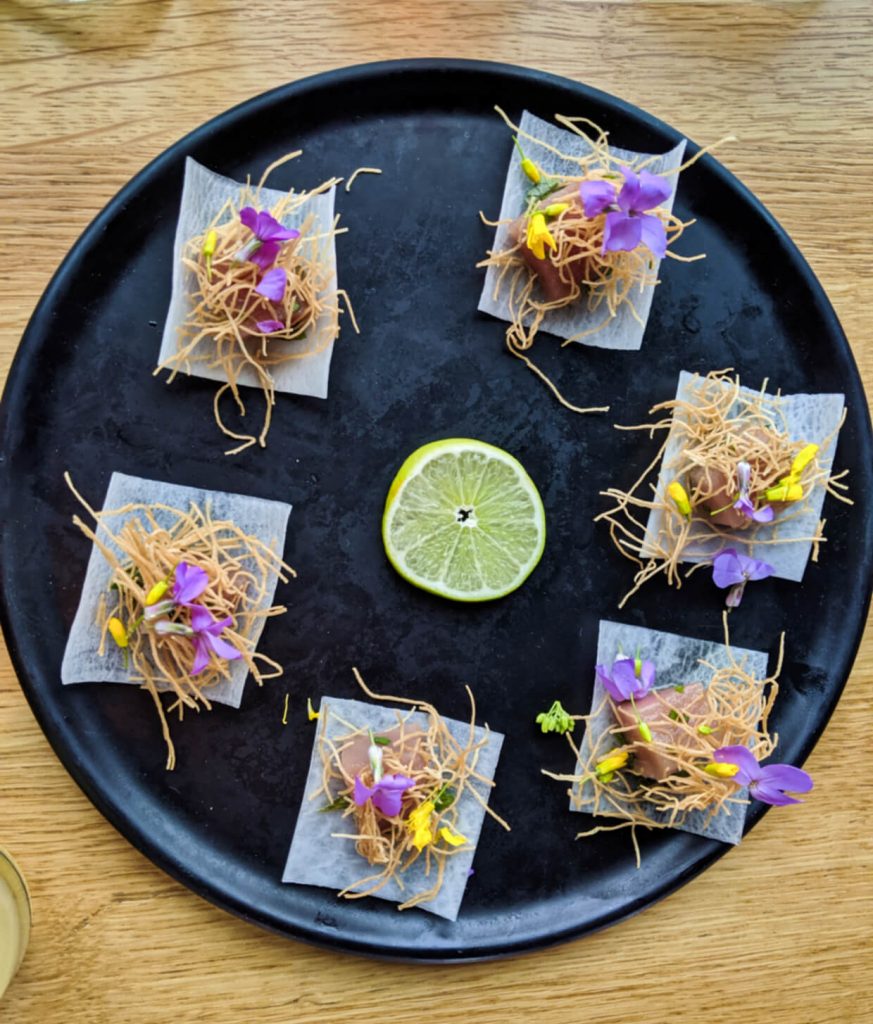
[744,502]
[269,234]
[207,638]
[189,582]
[630,225]
[731,569]
[272,284]
[769,782]
[386,794]
[631,677]
[270,326]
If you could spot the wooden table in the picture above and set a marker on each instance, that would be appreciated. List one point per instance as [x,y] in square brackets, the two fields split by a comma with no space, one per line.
[779,931]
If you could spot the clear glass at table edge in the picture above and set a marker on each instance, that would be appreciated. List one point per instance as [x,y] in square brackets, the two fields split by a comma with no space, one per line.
[15,918]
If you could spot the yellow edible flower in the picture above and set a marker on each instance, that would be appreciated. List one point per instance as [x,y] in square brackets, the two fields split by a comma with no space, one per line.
[539,236]
[452,838]
[680,496]
[721,770]
[209,249]
[785,490]
[789,488]
[611,763]
[157,592]
[801,460]
[418,824]
[117,631]
[556,209]
[311,713]
[528,166]
[531,170]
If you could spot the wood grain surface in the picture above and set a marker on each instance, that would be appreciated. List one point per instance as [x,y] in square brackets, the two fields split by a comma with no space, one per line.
[780,930]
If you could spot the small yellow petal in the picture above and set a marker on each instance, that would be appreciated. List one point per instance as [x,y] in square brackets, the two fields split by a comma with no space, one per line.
[453,838]
[556,209]
[802,459]
[785,490]
[157,592]
[539,236]
[645,731]
[531,170]
[210,243]
[311,713]
[722,770]
[680,496]
[611,763]
[117,631]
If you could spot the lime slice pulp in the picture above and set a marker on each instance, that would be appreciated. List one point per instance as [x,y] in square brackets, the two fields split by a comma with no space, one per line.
[463,520]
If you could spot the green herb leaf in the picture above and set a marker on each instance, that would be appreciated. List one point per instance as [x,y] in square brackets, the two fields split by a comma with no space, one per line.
[382,741]
[536,193]
[444,798]
[340,804]
[680,688]
[674,715]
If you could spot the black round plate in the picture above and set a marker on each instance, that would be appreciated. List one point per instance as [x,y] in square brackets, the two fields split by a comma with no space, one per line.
[81,396]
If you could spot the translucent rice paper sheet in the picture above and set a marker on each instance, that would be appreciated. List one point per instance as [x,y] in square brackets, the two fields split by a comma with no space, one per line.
[316,858]
[807,418]
[266,520]
[203,196]
[623,331]
[676,660]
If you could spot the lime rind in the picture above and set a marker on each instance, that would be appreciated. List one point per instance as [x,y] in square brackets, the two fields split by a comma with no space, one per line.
[463,520]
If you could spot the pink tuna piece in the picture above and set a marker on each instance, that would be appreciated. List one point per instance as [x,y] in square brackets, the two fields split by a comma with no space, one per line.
[654,709]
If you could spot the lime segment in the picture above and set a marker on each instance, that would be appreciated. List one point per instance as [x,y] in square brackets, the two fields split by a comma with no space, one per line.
[463,520]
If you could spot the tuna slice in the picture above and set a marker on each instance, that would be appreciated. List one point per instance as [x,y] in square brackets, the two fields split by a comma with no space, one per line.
[723,492]
[655,764]
[355,757]
[554,287]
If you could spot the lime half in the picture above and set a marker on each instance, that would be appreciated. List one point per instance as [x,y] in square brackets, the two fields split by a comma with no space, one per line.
[463,520]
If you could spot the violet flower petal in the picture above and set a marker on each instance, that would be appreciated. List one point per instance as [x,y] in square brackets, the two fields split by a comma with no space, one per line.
[272,284]
[762,515]
[775,780]
[608,684]
[653,190]
[596,196]
[189,581]
[249,217]
[647,677]
[653,234]
[270,230]
[362,792]
[749,769]
[628,197]
[743,504]
[625,679]
[201,655]
[727,569]
[621,232]
[265,255]
[388,797]
[201,618]
[270,326]
[222,648]
[755,569]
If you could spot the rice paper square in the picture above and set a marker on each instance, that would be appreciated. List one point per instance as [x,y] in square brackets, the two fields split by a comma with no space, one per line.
[316,858]
[807,418]
[623,331]
[204,194]
[676,661]
[264,519]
